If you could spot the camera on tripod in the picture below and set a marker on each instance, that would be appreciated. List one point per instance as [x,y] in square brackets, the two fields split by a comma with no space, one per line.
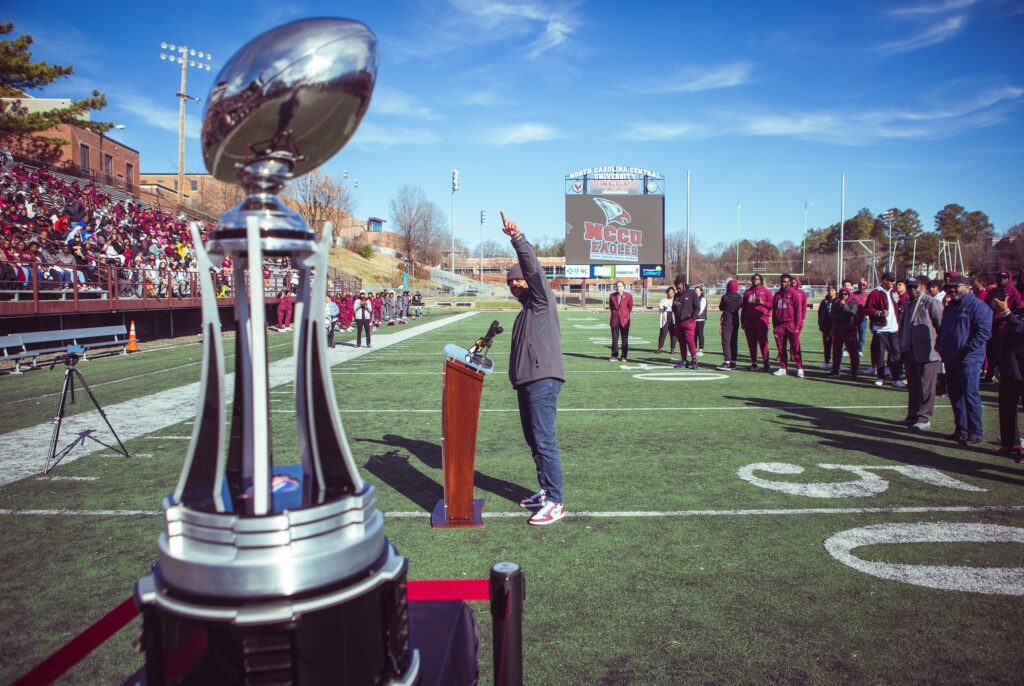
[71,357]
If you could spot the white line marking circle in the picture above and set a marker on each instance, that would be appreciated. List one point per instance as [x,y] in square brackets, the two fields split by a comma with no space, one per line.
[680,375]
[989,580]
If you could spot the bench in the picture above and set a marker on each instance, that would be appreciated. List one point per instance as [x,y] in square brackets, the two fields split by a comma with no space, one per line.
[29,346]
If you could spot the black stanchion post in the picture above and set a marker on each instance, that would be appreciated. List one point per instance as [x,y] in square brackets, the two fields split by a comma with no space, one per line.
[508,591]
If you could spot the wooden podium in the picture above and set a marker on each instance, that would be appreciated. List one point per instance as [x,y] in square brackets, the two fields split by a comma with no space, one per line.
[461,388]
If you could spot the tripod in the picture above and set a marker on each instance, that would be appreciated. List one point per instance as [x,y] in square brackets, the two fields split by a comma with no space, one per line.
[71,361]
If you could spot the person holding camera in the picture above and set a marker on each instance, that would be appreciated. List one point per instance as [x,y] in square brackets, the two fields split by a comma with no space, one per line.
[537,373]
[1011,374]
[1005,291]
[363,313]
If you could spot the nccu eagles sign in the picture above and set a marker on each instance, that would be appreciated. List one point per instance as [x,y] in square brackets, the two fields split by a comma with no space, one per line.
[614,215]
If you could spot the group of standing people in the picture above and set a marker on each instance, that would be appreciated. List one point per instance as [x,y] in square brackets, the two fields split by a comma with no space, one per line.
[364,310]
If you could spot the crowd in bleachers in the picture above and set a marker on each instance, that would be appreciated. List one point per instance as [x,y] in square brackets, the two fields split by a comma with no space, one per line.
[57,234]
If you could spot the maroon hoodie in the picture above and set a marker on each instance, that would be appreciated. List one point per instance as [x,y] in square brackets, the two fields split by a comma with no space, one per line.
[757,310]
[1013,301]
[801,294]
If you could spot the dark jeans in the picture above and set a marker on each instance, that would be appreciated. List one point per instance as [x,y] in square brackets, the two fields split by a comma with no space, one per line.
[962,383]
[361,326]
[849,340]
[538,403]
[698,334]
[921,388]
[667,330]
[826,345]
[861,335]
[1011,398]
[622,329]
[888,350]
[730,339]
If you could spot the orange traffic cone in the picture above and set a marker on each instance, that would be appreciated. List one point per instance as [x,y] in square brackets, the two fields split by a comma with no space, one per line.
[133,342]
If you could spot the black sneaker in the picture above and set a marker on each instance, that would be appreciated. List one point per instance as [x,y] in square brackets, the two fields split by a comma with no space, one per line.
[834,372]
[724,367]
[754,368]
[955,436]
[971,440]
[766,369]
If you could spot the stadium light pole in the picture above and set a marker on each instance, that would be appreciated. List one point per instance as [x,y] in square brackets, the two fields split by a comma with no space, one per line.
[483,220]
[737,238]
[687,227]
[186,57]
[803,267]
[455,187]
[842,214]
[888,217]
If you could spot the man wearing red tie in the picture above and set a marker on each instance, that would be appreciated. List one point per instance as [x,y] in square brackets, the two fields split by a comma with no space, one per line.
[621,305]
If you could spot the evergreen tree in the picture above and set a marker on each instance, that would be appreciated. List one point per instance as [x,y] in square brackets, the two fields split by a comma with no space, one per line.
[21,129]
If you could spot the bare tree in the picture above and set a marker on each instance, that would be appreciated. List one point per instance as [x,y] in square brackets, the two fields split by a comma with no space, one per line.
[419,222]
[492,248]
[219,197]
[320,198]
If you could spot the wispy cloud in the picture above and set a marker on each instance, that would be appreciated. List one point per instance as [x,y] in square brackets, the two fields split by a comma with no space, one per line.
[487,97]
[843,127]
[538,25]
[930,24]
[696,79]
[391,102]
[156,115]
[526,132]
[933,8]
[930,35]
[373,135]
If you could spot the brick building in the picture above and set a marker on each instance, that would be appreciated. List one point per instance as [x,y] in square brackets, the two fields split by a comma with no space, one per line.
[89,154]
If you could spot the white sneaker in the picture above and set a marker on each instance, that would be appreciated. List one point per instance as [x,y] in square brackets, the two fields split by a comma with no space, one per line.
[781,371]
[613,359]
[846,354]
[899,383]
[550,513]
[799,373]
[700,353]
[879,382]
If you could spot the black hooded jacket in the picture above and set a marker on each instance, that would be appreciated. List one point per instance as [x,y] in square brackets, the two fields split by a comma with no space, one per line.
[536,336]
[1011,354]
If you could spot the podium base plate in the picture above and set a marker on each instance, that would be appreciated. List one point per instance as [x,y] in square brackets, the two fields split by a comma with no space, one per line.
[439,517]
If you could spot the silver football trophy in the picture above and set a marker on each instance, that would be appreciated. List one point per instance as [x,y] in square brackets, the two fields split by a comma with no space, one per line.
[275,575]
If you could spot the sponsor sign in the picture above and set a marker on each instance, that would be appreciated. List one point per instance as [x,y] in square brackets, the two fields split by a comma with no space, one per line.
[615,187]
[602,271]
[653,271]
[626,229]
[627,271]
[577,271]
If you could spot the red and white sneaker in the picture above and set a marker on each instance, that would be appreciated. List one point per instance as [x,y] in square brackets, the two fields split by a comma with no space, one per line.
[549,514]
[535,500]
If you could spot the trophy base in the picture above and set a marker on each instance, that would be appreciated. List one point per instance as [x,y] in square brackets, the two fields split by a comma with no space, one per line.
[441,517]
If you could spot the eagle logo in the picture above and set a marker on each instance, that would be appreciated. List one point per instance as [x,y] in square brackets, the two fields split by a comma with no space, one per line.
[613,212]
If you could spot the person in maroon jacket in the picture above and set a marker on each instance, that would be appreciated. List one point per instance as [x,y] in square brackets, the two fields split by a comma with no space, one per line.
[284,311]
[756,319]
[1004,290]
[787,320]
[794,285]
[621,305]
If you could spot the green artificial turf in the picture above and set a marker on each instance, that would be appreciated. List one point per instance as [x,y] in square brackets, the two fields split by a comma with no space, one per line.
[730,583]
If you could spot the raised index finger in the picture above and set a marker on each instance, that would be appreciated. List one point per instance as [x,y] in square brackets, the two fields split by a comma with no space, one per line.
[503,220]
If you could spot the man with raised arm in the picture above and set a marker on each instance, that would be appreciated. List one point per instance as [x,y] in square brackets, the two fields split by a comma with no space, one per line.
[537,373]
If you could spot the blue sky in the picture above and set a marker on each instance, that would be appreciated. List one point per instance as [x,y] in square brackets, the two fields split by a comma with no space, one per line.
[920,102]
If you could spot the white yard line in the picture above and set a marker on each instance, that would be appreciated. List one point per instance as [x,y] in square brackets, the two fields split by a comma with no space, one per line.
[625,514]
[637,409]
[145,415]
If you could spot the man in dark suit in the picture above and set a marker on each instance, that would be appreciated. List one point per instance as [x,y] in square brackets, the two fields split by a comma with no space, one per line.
[919,328]
[621,305]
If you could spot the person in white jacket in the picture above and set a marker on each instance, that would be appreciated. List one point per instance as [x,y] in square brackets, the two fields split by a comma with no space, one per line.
[702,319]
[667,321]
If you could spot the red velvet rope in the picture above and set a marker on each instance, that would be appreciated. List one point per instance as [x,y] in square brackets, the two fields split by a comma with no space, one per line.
[73,652]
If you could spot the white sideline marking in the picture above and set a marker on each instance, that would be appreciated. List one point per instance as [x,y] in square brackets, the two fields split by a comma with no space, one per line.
[641,409]
[867,483]
[67,478]
[1008,509]
[138,417]
[988,580]
[128,378]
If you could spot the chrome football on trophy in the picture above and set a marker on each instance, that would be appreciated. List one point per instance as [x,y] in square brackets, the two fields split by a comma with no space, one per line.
[275,574]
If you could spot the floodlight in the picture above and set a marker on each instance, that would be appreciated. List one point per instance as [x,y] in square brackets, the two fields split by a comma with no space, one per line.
[171,47]
[163,56]
[192,52]
[163,45]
